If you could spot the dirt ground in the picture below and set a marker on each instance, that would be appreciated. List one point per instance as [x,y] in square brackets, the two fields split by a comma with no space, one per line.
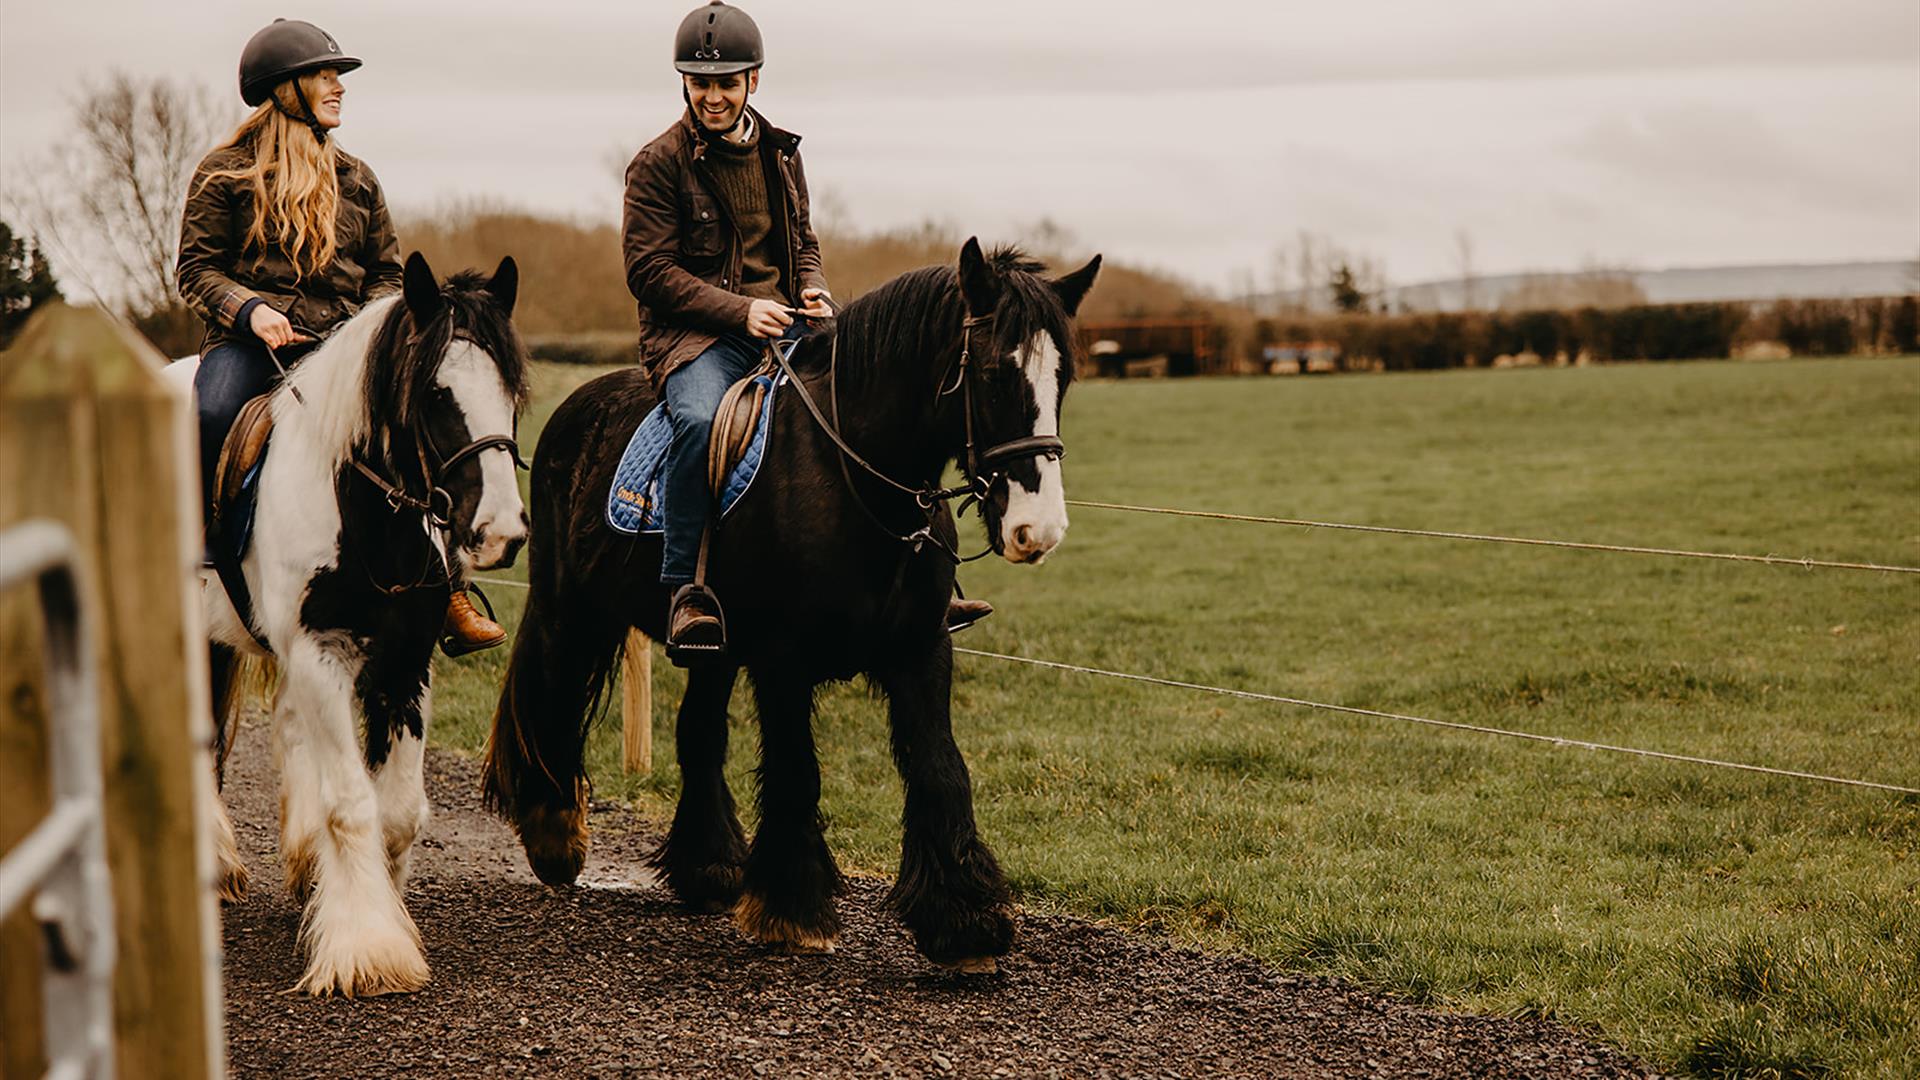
[611,978]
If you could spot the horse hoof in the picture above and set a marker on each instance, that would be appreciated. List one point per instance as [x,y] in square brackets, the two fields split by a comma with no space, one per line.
[973,965]
[963,940]
[750,914]
[392,966]
[371,978]
[230,874]
[708,890]
[556,843]
[232,881]
[298,864]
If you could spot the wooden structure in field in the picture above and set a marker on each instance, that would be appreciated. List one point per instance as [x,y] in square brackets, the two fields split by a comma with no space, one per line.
[93,439]
[1135,347]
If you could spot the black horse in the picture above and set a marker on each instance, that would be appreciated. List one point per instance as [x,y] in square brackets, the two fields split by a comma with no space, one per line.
[839,561]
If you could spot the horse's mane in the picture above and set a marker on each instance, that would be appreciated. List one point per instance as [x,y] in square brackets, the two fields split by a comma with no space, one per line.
[911,319]
[409,356]
[374,372]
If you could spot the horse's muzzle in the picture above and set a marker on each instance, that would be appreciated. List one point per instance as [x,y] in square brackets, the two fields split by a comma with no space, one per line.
[493,549]
[1030,543]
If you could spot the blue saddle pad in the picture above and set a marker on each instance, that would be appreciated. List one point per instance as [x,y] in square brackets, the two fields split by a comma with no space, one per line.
[634,504]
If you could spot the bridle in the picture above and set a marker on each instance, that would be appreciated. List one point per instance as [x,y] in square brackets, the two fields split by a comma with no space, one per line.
[436,506]
[984,468]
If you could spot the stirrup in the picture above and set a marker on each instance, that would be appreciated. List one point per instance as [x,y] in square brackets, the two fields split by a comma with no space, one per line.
[454,645]
[688,653]
[955,624]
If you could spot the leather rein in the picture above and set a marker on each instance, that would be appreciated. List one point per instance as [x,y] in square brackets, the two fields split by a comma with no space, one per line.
[984,468]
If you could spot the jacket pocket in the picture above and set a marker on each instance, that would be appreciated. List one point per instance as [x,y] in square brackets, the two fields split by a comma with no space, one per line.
[701,235]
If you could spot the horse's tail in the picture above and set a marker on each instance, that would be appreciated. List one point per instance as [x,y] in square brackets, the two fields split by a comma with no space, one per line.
[240,679]
[535,770]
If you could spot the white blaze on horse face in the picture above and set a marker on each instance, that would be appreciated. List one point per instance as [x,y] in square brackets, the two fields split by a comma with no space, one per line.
[499,523]
[1036,520]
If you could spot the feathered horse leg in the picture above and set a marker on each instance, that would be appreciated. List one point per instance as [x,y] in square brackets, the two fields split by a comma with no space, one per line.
[950,892]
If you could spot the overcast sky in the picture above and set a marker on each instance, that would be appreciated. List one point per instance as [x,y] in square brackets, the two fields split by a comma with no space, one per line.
[1191,136]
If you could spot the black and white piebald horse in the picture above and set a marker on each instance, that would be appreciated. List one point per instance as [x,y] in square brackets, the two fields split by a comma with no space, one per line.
[838,561]
[389,475]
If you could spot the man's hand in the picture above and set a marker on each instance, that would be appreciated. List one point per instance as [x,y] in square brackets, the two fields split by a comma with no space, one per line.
[273,328]
[815,301]
[768,319]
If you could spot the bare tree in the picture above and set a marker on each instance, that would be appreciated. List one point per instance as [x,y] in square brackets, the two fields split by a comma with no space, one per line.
[1370,274]
[1282,280]
[1310,262]
[108,200]
[1463,261]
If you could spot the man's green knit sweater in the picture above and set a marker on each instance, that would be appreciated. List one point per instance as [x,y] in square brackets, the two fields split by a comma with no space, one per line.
[737,172]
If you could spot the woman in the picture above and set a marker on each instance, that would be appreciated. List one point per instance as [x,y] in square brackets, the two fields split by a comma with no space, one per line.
[286,236]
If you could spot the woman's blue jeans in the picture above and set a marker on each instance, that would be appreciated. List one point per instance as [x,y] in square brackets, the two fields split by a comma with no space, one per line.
[231,374]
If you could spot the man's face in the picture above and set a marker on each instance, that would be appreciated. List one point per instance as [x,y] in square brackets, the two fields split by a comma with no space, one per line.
[718,99]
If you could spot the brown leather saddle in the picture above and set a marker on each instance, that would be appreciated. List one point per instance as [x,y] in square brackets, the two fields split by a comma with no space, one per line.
[246,442]
[733,426]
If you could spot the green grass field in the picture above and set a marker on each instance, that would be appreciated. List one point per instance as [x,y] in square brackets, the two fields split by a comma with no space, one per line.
[1722,923]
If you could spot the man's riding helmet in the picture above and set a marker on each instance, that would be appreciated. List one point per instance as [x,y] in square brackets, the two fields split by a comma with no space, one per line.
[284,49]
[718,39]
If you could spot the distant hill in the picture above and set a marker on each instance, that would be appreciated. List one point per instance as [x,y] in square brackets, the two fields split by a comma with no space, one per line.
[1788,281]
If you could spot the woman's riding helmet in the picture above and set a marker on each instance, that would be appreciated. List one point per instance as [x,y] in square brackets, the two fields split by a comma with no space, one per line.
[718,39]
[286,48]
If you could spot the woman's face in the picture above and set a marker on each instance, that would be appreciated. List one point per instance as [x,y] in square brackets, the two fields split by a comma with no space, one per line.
[324,94]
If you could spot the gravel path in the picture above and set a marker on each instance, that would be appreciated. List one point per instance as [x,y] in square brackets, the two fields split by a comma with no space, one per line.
[610,978]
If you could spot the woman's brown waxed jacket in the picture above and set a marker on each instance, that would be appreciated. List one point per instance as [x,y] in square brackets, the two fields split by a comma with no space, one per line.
[219,271]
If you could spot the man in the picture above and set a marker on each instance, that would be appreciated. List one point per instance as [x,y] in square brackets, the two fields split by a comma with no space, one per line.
[721,255]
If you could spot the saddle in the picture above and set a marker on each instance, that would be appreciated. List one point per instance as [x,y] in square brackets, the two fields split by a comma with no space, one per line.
[236,485]
[245,445]
[734,425]
[736,448]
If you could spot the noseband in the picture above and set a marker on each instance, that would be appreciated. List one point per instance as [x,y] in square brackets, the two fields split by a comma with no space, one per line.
[984,468]
[437,505]
[987,467]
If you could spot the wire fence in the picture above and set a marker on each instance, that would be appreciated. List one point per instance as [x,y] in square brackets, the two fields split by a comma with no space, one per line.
[1481,729]
[1488,538]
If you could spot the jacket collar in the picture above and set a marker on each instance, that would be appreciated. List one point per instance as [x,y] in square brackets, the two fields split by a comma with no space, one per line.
[780,139]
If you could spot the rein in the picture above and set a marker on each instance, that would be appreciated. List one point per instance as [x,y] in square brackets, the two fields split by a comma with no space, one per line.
[983,468]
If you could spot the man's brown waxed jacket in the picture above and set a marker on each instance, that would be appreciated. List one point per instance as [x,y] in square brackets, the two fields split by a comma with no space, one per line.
[683,251]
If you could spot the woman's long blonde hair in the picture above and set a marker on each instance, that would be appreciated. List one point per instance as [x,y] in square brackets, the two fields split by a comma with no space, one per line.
[296,193]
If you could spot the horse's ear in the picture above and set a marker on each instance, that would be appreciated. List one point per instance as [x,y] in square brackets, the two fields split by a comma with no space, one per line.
[505,284]
[977,284]
[1073,288]
[420,289]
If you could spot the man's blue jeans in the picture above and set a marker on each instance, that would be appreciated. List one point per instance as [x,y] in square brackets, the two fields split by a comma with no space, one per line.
[693,393]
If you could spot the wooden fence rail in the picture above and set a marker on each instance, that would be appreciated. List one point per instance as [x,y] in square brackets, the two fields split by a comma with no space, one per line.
[90,436]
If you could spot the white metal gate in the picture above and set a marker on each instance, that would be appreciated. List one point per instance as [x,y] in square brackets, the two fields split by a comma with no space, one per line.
[62,864]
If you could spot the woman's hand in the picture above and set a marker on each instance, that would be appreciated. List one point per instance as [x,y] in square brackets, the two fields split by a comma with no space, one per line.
[273,328]
[768,319]
[816,303]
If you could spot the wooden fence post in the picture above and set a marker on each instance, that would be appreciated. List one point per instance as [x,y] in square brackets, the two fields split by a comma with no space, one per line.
[91,436]
[636,704]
